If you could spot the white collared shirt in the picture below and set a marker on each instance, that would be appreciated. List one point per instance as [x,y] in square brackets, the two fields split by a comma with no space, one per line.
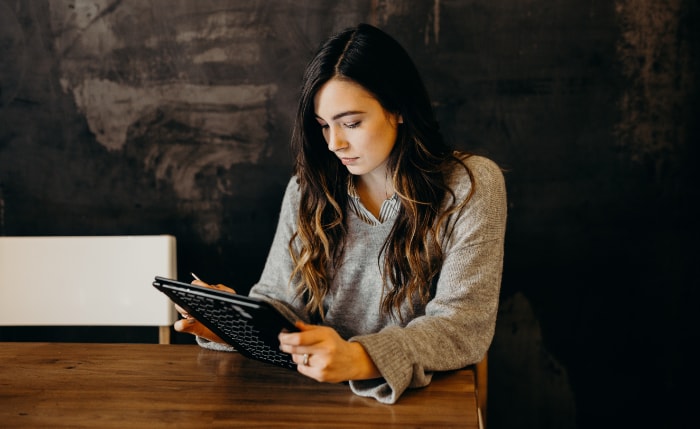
[389,209]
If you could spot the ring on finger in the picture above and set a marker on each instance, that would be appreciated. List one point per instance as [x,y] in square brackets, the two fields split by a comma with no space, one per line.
[305,362]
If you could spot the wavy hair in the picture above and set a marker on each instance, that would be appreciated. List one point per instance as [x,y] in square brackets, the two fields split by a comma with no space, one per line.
[411,257]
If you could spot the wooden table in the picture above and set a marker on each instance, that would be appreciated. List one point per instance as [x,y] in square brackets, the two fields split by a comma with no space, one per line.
[150,385]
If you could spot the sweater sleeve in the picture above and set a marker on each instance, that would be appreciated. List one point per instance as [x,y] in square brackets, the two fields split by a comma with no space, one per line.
[459,321]
[274,285]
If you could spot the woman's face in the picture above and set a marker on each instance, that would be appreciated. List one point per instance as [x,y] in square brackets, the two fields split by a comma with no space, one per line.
[356,127]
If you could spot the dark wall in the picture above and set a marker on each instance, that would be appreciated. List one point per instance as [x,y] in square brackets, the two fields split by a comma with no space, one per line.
[160,116]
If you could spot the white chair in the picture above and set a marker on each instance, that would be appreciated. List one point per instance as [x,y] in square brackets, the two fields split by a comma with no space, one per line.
[86,281]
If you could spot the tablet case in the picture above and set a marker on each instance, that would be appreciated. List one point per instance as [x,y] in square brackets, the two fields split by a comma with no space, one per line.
[248,324]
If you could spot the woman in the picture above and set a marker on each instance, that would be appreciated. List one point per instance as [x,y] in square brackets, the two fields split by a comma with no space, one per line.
[389,246]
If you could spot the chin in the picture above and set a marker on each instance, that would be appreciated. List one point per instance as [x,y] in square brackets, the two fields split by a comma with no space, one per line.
[356,171]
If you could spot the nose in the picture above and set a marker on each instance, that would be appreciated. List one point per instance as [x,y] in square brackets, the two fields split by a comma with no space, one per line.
[336,141]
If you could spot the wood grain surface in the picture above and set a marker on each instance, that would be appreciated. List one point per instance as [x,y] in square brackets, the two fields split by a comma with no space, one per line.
[149,385]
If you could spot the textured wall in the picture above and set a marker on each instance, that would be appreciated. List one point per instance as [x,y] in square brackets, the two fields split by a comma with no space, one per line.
[163,116]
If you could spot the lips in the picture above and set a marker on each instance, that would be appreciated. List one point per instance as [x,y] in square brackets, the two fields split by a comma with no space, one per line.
[348,161]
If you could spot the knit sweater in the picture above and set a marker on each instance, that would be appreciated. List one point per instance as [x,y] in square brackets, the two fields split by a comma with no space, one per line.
[453,330]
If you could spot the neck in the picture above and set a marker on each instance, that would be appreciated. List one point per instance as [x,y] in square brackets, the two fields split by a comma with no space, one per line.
[379,186]
[373,193]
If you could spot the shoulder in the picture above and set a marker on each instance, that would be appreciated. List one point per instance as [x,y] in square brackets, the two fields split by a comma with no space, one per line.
[292,190]
[477,171]
[478,182]
[290,201]
[292,185]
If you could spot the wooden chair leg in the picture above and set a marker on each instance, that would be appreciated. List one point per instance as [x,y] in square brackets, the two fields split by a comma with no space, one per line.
[164,335]
[482,389]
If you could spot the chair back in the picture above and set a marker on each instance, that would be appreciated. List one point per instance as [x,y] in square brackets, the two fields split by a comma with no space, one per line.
[86,281]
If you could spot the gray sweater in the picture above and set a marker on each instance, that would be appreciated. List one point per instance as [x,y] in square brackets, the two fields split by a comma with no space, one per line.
[453,330]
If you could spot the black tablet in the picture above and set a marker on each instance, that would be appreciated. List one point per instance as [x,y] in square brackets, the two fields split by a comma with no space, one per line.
[248,324]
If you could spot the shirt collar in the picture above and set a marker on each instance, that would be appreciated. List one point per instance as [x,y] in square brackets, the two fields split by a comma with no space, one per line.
[389,209]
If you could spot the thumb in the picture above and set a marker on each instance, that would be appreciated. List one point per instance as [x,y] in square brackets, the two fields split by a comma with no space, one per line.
[194,327]
[303,326]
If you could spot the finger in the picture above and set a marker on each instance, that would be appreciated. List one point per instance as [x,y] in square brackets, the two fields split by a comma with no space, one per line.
[184,313]
[308,335]
[293,337]
[300,343]
[302,359]
[222,287]
[218,286]
[303,326]
[297,350]
[192,326]
[184,325]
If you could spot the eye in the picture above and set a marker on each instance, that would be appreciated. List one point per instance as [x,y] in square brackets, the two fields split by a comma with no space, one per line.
[353,124]
[325,130]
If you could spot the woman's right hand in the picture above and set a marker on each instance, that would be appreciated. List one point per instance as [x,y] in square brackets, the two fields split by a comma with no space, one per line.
[190,325]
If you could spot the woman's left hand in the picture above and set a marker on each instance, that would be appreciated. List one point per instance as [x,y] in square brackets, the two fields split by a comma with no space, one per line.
[320,353]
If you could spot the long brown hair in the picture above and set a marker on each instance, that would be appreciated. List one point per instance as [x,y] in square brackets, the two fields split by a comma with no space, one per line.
[411,257]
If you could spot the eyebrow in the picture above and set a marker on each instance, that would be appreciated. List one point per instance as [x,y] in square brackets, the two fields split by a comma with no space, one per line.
[341,114]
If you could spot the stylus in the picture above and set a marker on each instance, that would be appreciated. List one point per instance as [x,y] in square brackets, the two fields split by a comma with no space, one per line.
[195,276]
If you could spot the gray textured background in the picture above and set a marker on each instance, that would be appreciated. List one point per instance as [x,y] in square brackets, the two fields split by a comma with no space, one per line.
[155,116]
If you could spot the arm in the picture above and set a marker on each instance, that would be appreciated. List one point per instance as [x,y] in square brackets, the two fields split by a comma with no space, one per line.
[274,285]
[459,321]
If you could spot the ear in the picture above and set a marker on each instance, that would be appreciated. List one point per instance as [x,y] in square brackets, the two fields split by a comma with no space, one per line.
[400,121]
